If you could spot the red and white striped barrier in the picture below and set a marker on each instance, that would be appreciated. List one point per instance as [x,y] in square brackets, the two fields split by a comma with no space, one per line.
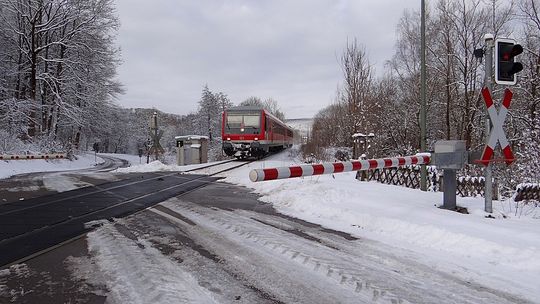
[257,175]
[31,157]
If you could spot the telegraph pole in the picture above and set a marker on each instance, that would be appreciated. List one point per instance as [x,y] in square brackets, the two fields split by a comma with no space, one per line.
[423,171]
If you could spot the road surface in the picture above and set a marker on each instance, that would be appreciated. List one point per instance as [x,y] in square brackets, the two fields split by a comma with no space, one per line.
[219,244]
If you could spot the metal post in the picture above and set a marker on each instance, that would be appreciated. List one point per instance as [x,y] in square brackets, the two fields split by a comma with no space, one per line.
[488,190]
[423,171]
[450,187]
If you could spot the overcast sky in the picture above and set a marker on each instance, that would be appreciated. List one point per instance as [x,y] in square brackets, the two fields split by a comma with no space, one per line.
[284,49]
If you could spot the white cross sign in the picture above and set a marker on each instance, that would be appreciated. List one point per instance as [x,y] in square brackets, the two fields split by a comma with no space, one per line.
[497,133]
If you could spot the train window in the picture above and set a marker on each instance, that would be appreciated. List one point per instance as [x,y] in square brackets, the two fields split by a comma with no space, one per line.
[249,123]
[234,121]
[252,121]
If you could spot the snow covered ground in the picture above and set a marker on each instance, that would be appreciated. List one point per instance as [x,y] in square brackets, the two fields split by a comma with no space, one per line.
[12,167]
[82,161]
[502,252]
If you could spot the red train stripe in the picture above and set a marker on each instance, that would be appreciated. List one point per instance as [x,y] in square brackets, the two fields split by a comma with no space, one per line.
[338,167]
[318,169]
[296,171]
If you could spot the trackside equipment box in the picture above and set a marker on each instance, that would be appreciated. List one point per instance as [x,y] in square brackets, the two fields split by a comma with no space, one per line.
[192,149]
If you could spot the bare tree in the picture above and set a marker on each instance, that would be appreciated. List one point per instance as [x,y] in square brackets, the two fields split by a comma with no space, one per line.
[357,87]
[269,104]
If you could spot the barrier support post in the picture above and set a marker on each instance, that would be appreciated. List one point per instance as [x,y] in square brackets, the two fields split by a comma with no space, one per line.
[450,188]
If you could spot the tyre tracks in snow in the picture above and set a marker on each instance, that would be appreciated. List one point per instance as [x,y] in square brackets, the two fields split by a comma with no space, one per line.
[294,262]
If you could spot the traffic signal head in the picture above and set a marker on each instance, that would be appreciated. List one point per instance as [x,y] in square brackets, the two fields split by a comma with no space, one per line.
[505,65]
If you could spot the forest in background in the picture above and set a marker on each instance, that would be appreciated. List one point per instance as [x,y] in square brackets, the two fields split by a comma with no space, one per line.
[389,106]
[58,84]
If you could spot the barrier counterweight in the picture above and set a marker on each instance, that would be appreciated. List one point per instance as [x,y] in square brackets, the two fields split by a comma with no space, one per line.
[257,175]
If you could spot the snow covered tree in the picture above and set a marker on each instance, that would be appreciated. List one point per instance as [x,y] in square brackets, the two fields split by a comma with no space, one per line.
[58,61]
[362,108]
[210,107]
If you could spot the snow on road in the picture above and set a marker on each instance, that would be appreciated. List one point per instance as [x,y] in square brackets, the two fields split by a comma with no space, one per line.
[126,266]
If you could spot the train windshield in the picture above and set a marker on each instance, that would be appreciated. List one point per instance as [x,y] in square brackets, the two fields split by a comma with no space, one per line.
[249,123]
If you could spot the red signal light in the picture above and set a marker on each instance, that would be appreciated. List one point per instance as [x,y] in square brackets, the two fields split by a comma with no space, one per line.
[505,66]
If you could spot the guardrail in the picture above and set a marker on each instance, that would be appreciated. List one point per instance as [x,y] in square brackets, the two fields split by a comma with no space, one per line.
[32,156]
[257,175]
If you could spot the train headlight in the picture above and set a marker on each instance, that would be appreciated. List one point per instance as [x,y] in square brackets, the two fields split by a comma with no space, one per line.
[228,138]
[256,138]
[242,130]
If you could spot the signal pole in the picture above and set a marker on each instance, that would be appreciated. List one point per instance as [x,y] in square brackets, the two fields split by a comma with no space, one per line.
[488,173]
[156,135]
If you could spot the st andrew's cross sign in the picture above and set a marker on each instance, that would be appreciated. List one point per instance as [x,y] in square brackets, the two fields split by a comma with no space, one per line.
[497,133]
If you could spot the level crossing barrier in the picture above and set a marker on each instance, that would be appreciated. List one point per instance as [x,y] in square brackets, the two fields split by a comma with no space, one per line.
[257,175]
[32,156]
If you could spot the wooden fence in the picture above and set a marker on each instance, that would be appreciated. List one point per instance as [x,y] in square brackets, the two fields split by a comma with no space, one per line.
[409,176]
[527,192]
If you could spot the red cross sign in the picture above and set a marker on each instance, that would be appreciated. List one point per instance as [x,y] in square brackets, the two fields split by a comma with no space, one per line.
[497,132]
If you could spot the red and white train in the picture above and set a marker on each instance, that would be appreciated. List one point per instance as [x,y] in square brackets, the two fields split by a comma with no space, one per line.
[253,132]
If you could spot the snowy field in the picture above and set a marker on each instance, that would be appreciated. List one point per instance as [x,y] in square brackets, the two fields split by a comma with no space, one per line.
[501,252]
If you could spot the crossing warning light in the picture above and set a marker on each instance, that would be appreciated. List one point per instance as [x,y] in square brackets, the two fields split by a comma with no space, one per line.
[505,66]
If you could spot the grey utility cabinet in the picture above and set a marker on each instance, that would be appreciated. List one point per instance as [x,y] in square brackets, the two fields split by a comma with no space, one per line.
[192,149]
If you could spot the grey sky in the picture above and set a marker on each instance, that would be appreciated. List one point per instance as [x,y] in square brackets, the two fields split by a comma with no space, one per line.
[284,49]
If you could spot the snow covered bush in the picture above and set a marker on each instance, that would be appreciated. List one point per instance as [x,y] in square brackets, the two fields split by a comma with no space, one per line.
[10,143]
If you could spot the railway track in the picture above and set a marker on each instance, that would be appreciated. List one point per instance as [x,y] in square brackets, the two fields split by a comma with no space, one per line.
[215,169]
[32,227]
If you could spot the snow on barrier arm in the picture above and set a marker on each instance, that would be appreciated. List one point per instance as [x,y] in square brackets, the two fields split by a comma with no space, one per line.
[257,175]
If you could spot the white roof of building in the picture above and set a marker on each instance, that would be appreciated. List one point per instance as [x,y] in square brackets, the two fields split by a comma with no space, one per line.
[190,137]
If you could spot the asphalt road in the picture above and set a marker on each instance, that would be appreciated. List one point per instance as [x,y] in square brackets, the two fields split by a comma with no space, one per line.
[29,226]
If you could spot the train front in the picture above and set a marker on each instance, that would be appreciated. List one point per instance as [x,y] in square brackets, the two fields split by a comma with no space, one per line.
[243,132]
